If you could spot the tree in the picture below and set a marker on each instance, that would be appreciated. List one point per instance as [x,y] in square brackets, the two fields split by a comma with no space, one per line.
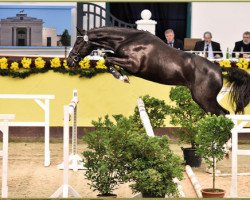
[65,40]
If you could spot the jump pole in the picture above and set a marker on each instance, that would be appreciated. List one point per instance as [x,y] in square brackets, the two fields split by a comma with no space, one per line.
[4,128]
[65,189]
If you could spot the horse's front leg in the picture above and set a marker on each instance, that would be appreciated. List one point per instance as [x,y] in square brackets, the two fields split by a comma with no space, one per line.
[125,63]
[122,62]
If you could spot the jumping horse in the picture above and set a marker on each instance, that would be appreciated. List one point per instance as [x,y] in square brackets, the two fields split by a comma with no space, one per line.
[144,55]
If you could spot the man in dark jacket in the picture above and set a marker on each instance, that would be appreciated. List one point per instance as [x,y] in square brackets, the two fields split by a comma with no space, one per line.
[243,45]
[171,41]
[211,48]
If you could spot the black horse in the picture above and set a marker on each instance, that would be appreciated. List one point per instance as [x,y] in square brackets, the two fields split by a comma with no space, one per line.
[144,55]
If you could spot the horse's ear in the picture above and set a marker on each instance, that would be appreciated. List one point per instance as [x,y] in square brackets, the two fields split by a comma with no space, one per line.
[79,31]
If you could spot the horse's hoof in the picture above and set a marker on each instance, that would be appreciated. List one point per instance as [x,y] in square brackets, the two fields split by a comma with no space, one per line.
[124,79]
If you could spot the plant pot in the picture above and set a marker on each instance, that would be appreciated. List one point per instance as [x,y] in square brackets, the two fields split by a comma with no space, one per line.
[191,158]
[147,195]
[106,196]
[210,193]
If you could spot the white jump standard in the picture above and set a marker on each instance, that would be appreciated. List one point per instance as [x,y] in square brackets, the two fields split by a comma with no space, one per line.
[4,128]
[65,189]
[75,161]
[45,106]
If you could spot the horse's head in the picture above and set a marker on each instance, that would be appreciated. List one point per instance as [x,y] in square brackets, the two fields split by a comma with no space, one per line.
[79,49]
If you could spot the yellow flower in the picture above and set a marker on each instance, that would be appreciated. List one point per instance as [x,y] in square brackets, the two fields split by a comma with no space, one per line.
[26,62]
[239,65]
[65,64]
[3,63]
[14,66]
[85,63]
[100,64]
[39,63]
[55,62]
[242,63]
[225,63]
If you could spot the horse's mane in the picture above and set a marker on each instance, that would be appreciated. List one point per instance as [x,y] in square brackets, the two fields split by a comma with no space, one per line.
[117,29]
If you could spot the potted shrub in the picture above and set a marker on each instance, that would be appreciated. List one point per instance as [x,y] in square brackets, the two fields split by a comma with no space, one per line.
[101,169]
[213,132]
[153,168]
[186,114]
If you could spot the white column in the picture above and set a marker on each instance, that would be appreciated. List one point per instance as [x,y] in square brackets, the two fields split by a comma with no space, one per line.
[15,42]
[73,25]
[28,36]
[146,23]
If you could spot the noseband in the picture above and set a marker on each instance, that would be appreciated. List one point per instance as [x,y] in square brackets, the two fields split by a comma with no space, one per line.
[76,55]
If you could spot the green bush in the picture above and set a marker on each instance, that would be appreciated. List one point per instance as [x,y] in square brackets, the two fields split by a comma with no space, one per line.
[156,110]
[119,152]
[186,113]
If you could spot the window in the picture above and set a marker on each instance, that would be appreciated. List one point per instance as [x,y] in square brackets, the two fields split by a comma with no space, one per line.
[48,41]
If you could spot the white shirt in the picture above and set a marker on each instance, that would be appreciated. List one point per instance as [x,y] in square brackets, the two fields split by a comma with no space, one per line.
[210,50]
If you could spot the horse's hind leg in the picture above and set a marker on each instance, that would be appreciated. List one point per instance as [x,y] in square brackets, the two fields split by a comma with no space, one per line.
[204,94]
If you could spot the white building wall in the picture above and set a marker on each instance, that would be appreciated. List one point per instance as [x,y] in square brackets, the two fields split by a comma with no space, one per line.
[226,20]
[50,32]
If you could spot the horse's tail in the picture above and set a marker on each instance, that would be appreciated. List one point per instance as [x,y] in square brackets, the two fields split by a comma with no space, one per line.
[240,87]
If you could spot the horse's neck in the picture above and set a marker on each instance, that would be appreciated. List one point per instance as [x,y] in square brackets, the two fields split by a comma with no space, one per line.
[107,39]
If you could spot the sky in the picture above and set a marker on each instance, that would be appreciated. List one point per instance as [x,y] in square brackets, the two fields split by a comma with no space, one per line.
[59,18]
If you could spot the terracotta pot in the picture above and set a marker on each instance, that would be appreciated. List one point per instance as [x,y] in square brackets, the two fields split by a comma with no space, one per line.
[209,193]
[106,196]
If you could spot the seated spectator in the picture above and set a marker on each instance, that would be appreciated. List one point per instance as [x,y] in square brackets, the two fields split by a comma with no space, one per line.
[211,48]
[243,45]
[171,41]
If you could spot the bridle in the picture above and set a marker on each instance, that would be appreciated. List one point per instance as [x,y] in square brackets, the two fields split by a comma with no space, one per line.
[76,55]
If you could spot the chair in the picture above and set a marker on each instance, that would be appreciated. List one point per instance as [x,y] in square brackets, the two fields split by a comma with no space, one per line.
[189,43]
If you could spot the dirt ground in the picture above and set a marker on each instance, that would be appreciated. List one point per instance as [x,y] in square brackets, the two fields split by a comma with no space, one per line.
[28,178]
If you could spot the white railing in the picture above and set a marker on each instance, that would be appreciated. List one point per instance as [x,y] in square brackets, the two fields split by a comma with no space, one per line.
[45,106]
[33,51]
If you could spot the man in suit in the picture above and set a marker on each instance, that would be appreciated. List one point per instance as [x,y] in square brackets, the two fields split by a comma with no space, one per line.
[243,45]
[171,41]
[211,48]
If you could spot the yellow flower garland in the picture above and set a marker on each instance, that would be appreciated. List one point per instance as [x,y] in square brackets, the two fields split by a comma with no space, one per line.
[3,63]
